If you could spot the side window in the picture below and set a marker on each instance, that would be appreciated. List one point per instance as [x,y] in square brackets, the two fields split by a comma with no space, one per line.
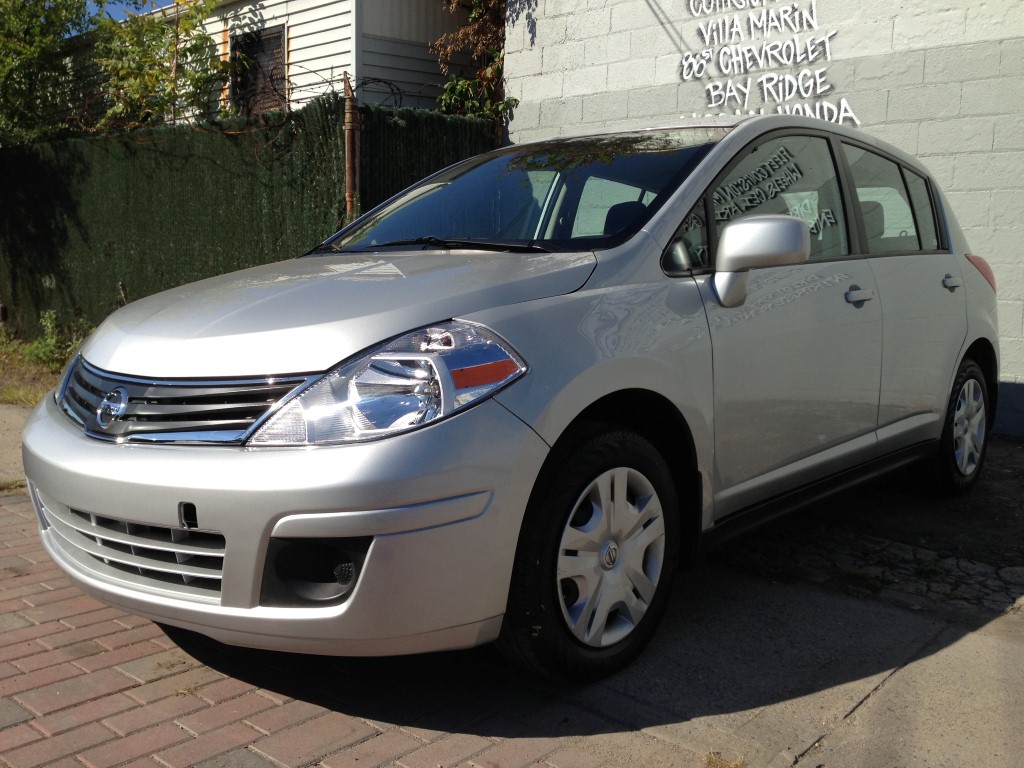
[794,175]
[689,246]
[924,213]
[607,207]
[884,202]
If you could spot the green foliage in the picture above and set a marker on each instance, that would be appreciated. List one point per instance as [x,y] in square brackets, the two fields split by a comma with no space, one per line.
[10,348]
[23,382]
[44,71]
[480,96]
[57,343]
[483,37]
[67,67]
[160,66]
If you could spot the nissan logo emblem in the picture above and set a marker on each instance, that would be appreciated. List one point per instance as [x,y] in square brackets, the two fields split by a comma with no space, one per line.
[112,407]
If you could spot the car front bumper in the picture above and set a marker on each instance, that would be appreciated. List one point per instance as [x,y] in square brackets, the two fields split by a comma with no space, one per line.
[442,507]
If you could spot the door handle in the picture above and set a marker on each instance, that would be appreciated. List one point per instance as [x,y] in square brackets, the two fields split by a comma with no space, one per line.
[952,283]
[857,295]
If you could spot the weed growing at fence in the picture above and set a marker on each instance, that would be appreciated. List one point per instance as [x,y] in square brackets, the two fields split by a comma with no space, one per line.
[30,369]
[54,348]
[23,381]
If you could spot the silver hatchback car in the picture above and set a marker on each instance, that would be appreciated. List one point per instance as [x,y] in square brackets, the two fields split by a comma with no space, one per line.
[509,402]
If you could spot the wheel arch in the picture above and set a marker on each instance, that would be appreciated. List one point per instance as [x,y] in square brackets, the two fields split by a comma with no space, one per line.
[983,353]
[657,420]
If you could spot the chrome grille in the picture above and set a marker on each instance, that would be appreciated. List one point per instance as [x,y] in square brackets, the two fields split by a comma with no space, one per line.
[171,410]
[185,561]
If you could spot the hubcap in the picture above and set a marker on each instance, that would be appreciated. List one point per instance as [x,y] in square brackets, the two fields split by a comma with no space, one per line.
[969,427]
[610,557]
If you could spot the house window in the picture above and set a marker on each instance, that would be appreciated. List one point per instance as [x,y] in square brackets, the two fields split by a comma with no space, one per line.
[258,85]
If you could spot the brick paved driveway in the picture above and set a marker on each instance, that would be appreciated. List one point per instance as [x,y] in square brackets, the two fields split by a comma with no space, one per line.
[87,685]
[744,665]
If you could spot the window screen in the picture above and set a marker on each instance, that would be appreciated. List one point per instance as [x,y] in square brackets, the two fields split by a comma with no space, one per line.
[258,84]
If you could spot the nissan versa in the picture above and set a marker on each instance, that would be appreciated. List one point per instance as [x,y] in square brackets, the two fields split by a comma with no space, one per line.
[509,402]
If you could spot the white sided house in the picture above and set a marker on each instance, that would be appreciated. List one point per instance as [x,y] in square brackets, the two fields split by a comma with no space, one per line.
[940,80]
[299,49]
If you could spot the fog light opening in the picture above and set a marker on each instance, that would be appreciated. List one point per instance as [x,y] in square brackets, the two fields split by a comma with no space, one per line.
[304,571]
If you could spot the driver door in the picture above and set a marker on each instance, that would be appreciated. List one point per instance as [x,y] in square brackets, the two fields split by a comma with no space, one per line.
[797,365]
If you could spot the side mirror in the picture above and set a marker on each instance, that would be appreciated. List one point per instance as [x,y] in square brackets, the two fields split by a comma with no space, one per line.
[757,241]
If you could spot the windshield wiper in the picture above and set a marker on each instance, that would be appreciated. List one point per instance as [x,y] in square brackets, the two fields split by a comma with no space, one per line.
[481,245]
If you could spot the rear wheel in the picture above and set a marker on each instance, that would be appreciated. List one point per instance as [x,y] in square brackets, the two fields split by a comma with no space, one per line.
[595,560]
[965,433]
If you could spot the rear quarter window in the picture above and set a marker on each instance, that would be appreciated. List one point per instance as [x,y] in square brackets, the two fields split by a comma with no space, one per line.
[895,204]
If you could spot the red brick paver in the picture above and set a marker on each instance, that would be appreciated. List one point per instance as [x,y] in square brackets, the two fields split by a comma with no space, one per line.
[89,712]
[83,685]
[139,744]
[17,736]
[66,744]
[138,718]
[515,753]
[308,742]
[69,693]
[230,711]
[448,751]
[176,685]
[376,751]
[41,677]
[285,716]
[210,744]
[40,659]
[62,609]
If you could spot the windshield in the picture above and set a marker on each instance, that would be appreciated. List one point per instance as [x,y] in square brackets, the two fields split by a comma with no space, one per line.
[574,194]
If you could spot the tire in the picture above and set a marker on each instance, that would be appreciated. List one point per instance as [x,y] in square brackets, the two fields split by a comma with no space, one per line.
[595,559]
[965,432]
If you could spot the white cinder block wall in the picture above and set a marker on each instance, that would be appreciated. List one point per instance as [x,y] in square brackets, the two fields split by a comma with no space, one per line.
[943,81]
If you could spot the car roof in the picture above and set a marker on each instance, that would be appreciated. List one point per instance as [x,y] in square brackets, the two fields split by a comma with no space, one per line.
[741,129]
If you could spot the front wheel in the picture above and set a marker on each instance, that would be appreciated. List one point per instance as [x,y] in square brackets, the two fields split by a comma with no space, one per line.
[965,432]
[595,559]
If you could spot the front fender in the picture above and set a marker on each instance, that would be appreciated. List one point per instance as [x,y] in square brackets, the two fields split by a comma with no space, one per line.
[591,344]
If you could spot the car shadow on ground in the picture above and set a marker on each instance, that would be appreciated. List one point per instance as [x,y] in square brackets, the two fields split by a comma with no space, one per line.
[730,643]
[776,616]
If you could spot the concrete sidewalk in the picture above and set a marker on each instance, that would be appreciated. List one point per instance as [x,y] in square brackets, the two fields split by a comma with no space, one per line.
[765,673]
[12,421]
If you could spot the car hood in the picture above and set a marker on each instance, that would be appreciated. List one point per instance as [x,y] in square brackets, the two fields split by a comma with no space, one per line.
[306,315]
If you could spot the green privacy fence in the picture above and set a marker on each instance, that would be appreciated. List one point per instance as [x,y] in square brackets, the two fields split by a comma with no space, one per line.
[401,146]
[87,224]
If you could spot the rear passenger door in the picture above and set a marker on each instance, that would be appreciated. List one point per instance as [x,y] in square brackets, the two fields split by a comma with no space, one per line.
[924,319]
[796,367]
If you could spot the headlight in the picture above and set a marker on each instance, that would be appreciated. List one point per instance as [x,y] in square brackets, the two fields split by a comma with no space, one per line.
[424,376]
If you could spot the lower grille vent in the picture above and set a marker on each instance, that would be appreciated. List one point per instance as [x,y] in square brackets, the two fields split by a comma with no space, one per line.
[187,562]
